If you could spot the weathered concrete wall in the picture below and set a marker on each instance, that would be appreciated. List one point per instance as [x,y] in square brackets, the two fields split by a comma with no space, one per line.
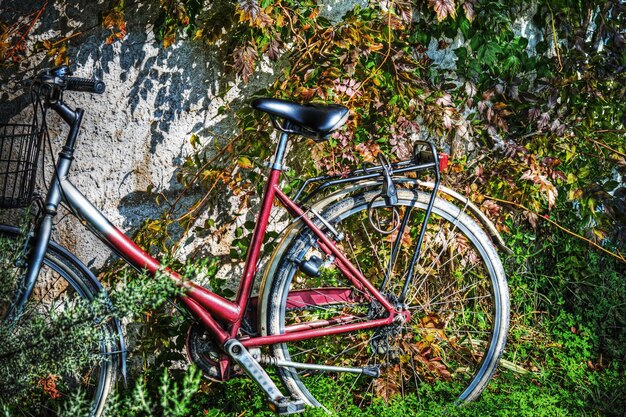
[135,134]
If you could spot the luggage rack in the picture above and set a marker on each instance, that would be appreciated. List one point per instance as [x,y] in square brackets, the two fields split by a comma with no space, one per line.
[425,157]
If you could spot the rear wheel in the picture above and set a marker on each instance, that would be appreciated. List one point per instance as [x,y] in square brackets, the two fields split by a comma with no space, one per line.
[457,299]
[60,346]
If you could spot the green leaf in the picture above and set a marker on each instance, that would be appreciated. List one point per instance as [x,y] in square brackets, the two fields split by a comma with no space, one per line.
[194,140]
[511,64]
[488,53]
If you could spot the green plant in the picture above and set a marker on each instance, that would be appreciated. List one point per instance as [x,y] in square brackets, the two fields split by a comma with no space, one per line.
[535,128]
[170,396]
[48,352]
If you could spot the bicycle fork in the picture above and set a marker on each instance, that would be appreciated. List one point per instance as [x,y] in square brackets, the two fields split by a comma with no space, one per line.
[41,238]
[53,199]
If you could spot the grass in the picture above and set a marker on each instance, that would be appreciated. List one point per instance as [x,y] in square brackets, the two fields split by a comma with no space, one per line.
[567,334]
[509,394]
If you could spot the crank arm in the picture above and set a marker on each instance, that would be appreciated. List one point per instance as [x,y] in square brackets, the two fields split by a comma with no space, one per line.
[280,404]
[242,356]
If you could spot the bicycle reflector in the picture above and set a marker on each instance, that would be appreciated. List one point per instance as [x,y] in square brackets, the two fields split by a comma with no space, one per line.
[443,161]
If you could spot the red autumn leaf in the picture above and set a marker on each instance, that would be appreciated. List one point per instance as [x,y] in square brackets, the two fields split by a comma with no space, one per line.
[275,46]
[245,57]
[444,8]
[368,151]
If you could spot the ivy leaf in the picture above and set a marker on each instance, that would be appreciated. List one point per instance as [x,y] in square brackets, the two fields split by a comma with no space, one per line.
[368,151]
[169,40]
[245,57]
[445,100]
[512,64]
[276,45]
[446,119]
[404,12]
[251,12]
[444,8]
[244,162]
[470,13]
[488,53]
[194,140]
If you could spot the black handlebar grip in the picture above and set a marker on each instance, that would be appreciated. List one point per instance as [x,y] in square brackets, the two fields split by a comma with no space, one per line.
[85,84]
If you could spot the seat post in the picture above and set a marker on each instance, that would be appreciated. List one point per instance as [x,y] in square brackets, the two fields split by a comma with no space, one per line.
[279,156]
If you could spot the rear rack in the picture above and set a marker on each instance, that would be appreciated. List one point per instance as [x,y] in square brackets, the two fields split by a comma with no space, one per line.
[425,157]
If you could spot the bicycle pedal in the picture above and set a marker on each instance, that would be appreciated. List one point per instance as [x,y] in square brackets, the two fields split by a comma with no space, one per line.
[286,406]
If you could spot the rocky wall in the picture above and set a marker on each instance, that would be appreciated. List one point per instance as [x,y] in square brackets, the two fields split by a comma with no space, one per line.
[136,133]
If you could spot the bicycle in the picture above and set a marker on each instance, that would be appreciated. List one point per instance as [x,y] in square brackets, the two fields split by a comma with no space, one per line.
[378,285]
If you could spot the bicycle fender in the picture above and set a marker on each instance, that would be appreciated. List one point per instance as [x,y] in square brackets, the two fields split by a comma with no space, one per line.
[460,199]
[92,279]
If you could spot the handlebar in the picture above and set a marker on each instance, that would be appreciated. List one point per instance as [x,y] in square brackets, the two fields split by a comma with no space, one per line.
[60,79]
[85,84]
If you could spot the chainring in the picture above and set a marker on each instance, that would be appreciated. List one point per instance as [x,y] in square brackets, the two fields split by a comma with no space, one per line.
[204,353]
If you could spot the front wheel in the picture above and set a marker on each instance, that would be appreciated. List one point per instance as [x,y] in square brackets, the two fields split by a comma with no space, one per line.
[60,348]
[457,298]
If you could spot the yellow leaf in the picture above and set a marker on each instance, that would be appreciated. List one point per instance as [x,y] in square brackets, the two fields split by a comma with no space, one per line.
[571,178]
[168,40]
[194,140]
[575,193]
[244,162]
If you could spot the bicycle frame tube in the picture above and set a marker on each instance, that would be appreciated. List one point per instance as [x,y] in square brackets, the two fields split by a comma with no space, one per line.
[138,258]
[206,306]
[198,300]
[344,265]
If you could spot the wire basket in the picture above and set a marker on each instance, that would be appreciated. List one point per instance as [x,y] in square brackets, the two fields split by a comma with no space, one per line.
[19,156]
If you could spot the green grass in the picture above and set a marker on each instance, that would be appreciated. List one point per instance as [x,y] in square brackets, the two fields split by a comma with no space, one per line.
[509,394]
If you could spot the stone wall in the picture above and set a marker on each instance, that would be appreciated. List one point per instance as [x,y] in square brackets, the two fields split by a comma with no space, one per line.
[136,133]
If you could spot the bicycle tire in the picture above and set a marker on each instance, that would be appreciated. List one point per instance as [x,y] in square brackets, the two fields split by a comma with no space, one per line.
[60,371]
[431,347]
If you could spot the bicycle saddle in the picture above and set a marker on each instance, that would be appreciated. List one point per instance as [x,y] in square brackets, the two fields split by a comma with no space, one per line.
[314,120]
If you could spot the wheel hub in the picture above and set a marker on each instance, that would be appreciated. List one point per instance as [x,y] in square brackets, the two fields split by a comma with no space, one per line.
[383,339]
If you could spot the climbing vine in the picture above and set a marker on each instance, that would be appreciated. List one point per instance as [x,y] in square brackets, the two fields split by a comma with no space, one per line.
[532,126]
[534,122]
[527,97]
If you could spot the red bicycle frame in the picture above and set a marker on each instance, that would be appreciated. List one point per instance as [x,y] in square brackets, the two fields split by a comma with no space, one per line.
[219,315]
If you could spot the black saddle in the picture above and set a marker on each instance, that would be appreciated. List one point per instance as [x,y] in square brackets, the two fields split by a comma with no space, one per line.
[314,120]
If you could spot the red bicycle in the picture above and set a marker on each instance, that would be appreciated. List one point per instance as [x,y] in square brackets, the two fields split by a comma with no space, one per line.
[378,284]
